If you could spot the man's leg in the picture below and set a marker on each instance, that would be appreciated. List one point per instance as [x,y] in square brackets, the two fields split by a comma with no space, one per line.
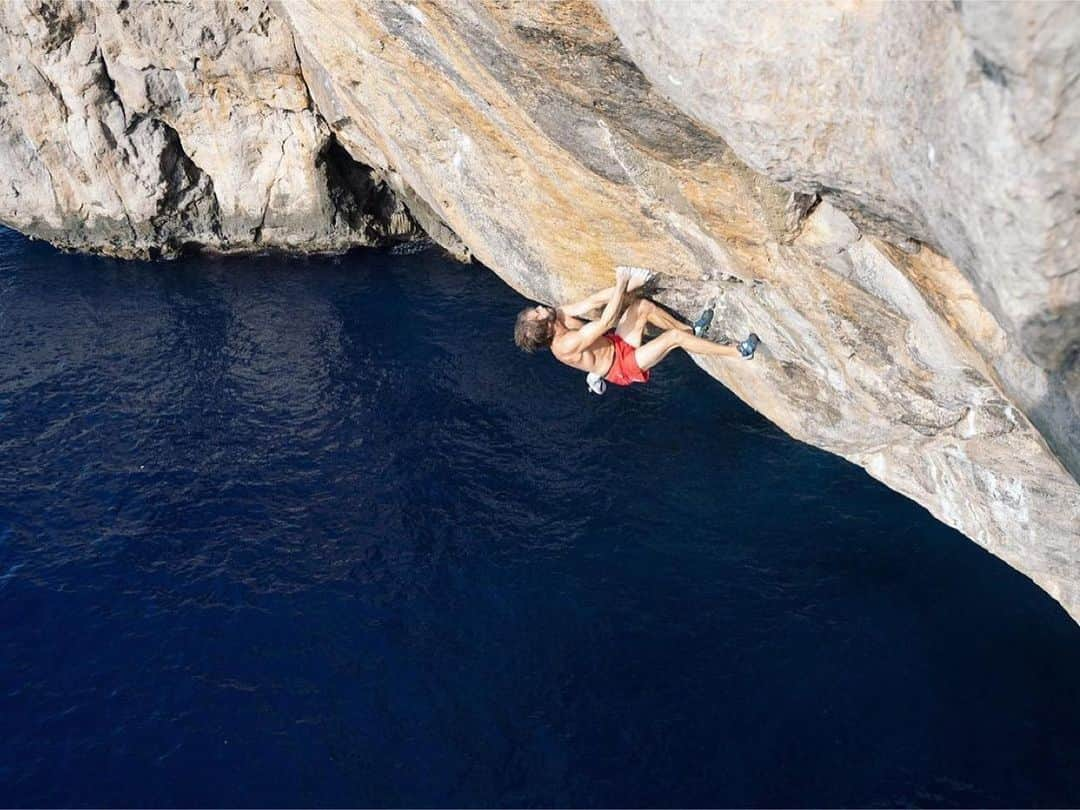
[664,320]
[657,349]
[641,313]
[632,324]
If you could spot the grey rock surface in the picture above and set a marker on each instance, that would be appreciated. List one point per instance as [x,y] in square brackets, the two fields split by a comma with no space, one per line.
[955,124]
[138,128]
[918,326]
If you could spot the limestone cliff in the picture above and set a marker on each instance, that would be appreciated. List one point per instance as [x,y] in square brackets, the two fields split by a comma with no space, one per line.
[139,130]
[887,194]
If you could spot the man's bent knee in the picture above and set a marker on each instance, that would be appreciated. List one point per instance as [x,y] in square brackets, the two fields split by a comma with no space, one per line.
[646,306]
[672,336]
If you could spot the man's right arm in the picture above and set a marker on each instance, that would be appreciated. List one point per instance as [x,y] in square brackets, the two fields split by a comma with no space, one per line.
[586,306]
[588,334]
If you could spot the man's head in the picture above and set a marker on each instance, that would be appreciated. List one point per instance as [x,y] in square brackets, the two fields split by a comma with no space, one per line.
[535,328]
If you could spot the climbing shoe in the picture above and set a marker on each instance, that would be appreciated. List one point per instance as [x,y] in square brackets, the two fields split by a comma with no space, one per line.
[749,346]
[704,321]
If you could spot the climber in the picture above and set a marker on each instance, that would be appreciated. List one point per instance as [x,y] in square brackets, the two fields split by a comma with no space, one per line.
[610,347]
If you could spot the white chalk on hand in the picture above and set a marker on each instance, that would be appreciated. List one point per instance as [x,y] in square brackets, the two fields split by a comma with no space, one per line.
[641,275]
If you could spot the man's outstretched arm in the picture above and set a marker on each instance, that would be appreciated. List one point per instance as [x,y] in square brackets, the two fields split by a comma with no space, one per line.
[584,307]
[590,332]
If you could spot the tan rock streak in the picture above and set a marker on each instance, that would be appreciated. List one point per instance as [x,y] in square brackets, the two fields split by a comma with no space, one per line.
[524,134]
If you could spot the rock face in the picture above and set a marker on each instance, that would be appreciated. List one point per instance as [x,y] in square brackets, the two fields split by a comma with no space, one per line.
[138,129]
[891,212]
[954,125]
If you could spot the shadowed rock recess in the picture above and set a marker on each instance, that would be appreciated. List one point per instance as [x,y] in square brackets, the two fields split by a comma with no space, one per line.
[887,194]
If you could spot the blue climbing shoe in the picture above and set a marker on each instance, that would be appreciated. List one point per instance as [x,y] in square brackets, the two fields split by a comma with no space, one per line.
[704,321]
[749,346]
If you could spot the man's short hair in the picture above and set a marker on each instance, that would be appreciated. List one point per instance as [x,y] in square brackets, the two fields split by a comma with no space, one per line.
[532,333]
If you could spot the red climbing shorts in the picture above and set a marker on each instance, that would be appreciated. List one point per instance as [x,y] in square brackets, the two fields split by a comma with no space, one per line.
[624,369]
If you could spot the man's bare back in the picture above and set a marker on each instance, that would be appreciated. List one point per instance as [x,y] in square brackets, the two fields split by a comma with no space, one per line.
[611,345]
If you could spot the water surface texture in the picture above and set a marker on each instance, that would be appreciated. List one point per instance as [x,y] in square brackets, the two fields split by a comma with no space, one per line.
[289,532]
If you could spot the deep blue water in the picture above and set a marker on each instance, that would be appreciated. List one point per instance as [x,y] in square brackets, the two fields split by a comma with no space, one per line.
[290,532]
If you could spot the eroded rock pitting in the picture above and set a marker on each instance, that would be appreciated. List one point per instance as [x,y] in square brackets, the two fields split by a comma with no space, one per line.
[920,322]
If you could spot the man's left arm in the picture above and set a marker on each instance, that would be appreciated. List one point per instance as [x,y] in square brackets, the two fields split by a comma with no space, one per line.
[588,334]
[588,306]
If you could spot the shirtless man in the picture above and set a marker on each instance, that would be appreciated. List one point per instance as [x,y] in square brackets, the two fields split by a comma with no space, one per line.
[610,347]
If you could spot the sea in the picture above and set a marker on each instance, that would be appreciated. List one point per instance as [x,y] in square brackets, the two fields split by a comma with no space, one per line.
[280,531]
